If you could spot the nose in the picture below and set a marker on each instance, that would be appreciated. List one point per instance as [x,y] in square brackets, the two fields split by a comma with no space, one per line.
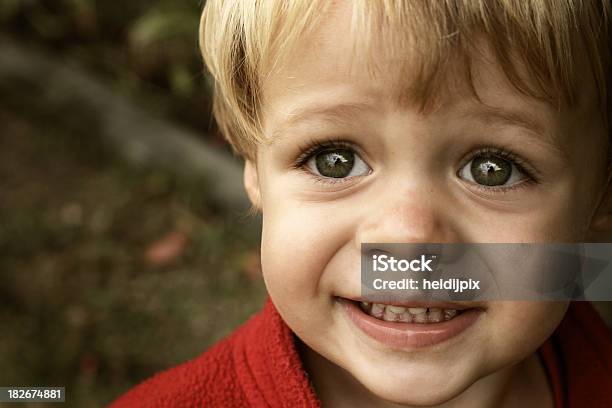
[408,214]
[404,213]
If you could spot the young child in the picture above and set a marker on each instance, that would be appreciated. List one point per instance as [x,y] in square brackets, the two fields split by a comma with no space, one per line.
[362,122]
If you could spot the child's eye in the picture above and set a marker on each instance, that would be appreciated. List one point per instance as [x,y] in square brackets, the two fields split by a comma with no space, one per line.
[337,163]
[492,170]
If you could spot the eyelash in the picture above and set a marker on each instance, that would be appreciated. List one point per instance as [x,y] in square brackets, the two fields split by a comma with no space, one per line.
[315,146]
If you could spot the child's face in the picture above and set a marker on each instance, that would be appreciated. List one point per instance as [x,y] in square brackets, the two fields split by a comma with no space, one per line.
[404,177]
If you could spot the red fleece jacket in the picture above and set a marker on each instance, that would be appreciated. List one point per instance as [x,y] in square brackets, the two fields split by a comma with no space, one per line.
[258,366]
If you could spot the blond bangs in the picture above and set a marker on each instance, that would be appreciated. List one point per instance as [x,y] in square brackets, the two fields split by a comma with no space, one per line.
[242,41]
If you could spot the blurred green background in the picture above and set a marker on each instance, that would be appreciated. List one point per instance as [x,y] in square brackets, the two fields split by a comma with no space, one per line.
[124,245]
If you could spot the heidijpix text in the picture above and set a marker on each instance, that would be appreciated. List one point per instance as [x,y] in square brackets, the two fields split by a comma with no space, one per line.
[424,263]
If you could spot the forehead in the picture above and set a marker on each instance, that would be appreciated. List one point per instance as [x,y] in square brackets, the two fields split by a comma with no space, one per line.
[333,66]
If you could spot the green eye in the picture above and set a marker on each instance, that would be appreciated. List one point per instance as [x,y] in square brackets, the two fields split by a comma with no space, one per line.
[337,163]
[491,171]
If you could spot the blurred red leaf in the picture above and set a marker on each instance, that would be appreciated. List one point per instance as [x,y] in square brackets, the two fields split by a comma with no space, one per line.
[166,249]
[89,364]
[251,264]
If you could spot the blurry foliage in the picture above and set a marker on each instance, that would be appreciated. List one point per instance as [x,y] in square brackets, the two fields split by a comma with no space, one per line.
[158,38]
[83,302]
[145,48]
[110,273]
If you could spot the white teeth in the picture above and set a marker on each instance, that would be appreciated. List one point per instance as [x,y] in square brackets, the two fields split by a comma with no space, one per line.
[393,313]
[389,316]
[404,317]
[396,309]
[449,314]
[377,310]
[435,315]
[420,318]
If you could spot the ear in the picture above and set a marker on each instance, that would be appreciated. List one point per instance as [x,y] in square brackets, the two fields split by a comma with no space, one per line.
[251,184]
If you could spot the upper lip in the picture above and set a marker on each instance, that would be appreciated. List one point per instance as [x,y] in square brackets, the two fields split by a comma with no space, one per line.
[422,304]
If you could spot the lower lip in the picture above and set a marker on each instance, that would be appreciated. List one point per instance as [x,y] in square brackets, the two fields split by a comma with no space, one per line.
[409,335]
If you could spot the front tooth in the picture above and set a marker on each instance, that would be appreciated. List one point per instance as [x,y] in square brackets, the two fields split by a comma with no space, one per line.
[417,310]
[396,309]
[389,316]
[435,315]
[420,318]
[377,310]
[404,317]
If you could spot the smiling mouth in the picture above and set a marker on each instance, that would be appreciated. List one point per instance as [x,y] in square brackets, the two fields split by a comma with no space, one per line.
[411,324]
[392,313]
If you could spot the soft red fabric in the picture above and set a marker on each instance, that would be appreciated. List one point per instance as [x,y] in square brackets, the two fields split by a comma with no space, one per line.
[578,358]
[258,366]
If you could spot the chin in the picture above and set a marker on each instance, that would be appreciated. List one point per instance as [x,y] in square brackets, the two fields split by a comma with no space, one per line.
[415,385]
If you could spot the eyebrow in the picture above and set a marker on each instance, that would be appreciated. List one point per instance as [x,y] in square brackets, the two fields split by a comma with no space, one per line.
[490,115]
[341,114]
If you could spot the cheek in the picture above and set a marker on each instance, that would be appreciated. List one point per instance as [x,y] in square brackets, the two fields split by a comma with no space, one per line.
[553,211]
[561,220]
[518,328]
[297,246]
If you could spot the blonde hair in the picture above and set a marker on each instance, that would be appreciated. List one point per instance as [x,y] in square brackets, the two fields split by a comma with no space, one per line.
[243,40]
